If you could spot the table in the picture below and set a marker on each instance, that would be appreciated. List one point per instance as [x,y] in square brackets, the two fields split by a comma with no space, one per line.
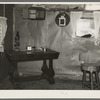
[36,55]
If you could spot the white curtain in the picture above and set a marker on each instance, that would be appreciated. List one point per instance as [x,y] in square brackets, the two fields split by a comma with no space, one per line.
[3,29]
[97,24]
[75,16]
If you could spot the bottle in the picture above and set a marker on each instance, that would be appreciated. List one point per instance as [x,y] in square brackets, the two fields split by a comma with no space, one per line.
[17,38]
[29,47]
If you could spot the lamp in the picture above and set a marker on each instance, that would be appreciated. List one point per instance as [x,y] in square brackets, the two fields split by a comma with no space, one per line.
[36,13]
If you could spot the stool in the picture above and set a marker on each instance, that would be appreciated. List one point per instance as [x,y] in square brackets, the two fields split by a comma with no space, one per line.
[93,79]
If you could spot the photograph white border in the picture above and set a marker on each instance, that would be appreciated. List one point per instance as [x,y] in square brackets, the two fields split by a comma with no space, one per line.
[22,94]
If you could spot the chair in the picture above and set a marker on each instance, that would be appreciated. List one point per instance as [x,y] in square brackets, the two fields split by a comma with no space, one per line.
[93,75]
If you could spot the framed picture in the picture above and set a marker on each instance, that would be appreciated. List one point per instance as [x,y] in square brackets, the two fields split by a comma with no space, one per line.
[62,19]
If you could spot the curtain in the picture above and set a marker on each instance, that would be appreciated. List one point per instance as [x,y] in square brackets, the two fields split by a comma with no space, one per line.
[3,28]
[97,24]
[75,16]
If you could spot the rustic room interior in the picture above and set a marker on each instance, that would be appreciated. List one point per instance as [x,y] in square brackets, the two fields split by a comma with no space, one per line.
[64,36]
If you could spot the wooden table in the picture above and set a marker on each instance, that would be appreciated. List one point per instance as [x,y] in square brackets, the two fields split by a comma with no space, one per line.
[22,56]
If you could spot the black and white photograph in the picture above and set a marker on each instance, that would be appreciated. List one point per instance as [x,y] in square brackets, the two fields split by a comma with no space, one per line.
[50,46]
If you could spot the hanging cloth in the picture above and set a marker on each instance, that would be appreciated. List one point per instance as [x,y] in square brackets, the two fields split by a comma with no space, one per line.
[97,24]
[3,29]
[74,16]
[4,63]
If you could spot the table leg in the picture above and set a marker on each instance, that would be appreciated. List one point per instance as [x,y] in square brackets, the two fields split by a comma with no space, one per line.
[44,70]
[51,72]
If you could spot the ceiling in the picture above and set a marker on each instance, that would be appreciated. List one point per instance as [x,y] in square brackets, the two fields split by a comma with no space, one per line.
[58,7]
[53,6]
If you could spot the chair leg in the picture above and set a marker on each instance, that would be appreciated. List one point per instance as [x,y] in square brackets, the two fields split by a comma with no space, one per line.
[84,79]
[91,80]
[97,79]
